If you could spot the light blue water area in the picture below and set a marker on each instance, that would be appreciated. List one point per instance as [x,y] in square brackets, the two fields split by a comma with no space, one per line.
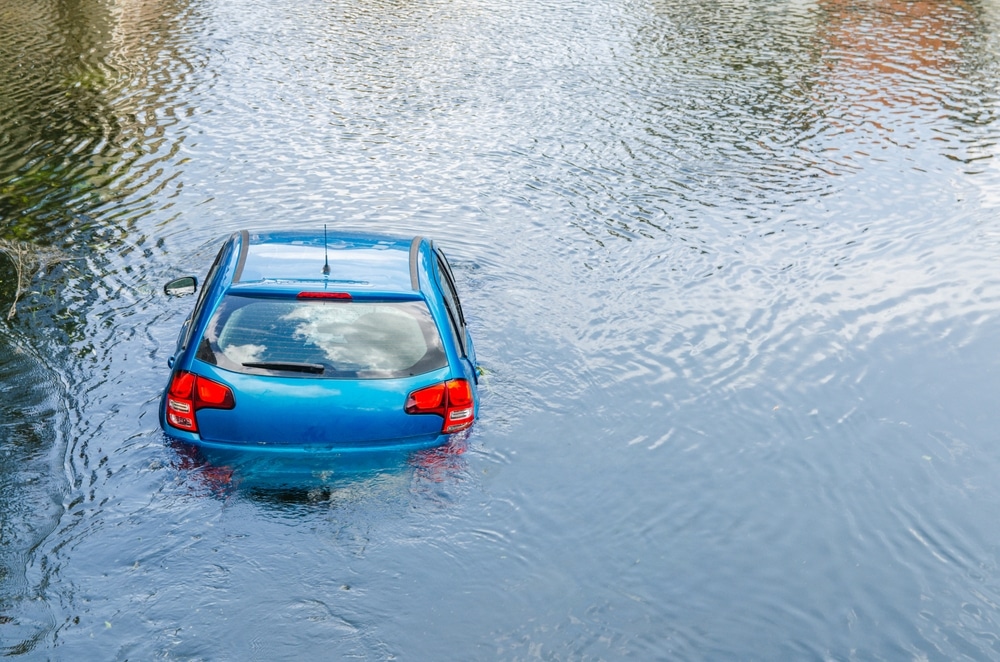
[731,270]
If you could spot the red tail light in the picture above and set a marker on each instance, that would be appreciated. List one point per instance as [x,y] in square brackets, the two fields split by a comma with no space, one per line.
[452,400]
[188,393]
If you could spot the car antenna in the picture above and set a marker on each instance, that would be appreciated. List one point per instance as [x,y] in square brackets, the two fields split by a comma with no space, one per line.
[326,254]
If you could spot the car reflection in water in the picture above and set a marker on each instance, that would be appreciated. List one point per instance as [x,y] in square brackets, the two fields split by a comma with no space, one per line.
[312,477]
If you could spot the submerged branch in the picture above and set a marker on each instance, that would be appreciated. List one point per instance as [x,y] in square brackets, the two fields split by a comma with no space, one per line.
[28,260]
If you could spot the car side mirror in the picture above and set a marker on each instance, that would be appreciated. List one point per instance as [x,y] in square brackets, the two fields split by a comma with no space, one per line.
[181,286]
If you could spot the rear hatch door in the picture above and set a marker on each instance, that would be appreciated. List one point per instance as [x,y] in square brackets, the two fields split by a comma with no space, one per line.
[317,412]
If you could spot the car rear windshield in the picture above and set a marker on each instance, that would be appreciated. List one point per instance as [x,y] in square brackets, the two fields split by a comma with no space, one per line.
[323,338]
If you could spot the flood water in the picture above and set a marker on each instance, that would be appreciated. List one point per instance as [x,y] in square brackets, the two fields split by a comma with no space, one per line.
[732,272]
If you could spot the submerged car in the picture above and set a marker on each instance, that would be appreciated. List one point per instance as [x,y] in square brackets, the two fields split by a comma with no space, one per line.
[316,342]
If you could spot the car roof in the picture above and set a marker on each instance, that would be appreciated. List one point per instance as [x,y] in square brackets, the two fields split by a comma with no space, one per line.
[286,260]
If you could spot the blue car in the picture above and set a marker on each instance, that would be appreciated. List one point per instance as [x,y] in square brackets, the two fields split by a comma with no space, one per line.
[307,342]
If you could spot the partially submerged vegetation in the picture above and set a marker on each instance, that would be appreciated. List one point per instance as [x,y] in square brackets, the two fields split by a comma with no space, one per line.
[27,260]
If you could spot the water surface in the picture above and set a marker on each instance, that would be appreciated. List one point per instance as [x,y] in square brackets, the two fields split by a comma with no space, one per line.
[730,268]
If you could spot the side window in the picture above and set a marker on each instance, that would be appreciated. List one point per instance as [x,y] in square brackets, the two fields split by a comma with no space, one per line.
[446,267]
[200,303]
[451,300]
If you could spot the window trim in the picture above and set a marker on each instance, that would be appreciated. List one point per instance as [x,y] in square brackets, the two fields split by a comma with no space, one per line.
[451,301]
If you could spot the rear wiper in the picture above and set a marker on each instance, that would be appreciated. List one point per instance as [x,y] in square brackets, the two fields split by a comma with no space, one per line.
[287,366]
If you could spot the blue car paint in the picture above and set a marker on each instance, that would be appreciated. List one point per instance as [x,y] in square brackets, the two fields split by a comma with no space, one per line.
[321,415]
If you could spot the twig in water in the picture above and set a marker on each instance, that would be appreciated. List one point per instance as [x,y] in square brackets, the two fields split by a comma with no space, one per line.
[28,260]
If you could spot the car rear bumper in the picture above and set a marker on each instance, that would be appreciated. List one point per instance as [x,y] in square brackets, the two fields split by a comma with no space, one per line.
[329,450]
[306,450]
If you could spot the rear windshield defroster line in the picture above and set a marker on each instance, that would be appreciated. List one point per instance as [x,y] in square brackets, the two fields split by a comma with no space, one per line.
[313,368]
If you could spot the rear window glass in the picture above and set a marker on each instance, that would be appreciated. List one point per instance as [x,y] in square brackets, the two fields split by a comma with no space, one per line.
[325,339]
